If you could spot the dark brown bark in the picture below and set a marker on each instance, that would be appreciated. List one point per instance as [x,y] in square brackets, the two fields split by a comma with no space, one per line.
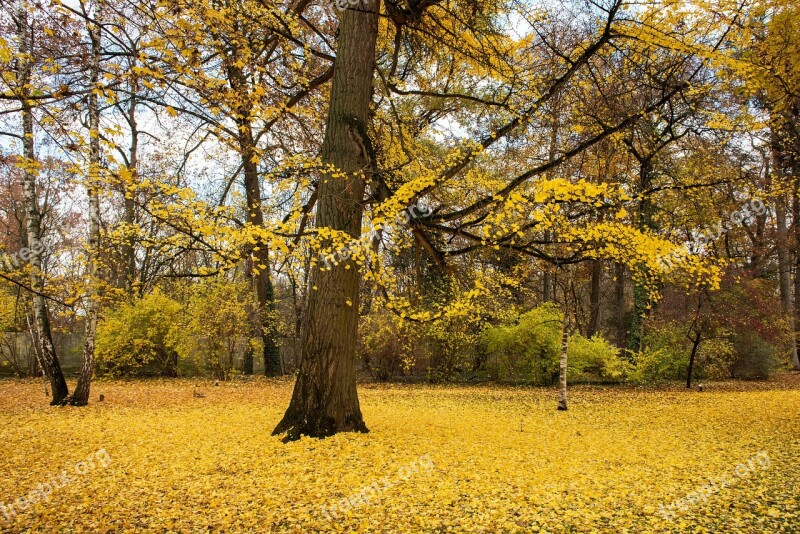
[547,287]
[785,149]
[645,223]
[619,304]
[128,249]
[248,361]
[48,360]
[695,346]
[325,400]
[264,325]
[796,228]
[785,269]
[594,298]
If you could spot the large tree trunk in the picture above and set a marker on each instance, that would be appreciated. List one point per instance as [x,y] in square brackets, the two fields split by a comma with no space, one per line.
[785,145]
[785,273]
[80,397]
[325,400]
[796,227]
[48,360]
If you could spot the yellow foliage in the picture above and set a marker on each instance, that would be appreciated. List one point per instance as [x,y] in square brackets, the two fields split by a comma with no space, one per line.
[496,460]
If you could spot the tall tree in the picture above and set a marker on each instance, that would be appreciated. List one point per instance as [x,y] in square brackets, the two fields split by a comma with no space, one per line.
[80,396]
[48,359]
[325,400]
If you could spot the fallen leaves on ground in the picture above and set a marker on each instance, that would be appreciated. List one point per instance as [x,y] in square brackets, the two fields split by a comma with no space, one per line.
[495,459]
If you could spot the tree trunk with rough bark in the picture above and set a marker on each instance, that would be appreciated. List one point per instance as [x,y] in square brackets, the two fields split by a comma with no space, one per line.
[785,274]
[80,396]
[325,400]
[48,360]
[263,323]
[796,228]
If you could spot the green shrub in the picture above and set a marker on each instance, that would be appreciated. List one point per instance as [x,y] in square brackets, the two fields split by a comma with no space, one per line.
[529,350]
[666,352]
[216,329]
[385,345]
[754,358]
[134,339]
[450,344]
[594,360]
[715,357]
[664,356]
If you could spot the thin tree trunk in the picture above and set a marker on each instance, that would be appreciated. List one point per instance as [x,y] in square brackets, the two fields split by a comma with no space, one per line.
[594,298]
[695,346]
[562,365]
[47,353]
[128,248]
[248,361]
[619,303]
[80,397]
[555,124]
[562,368]
[547,287]
[325,400]
[265,296]
[265,325]
[646,222]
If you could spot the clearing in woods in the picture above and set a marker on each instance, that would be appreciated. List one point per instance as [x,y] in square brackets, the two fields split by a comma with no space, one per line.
[189,456]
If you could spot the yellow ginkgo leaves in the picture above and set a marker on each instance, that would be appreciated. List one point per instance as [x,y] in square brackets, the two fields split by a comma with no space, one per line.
[500,460]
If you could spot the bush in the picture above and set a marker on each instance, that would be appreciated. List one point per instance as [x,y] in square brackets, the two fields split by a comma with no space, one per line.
[754,358]
[594,360]
[134,339]
[451,344]
[664,355]
[529,350]
[666,352]
[743,336]
[11,361]
[526,349]
[385,346]
[217,329]
[390,346]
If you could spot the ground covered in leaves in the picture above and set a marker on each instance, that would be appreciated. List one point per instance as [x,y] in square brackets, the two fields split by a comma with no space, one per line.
[156,457]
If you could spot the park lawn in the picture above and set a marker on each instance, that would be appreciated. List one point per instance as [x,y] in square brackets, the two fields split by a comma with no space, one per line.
[437,459]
